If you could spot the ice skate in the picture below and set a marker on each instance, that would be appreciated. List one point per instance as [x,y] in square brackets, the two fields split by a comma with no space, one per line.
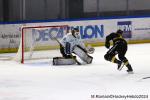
[130,71]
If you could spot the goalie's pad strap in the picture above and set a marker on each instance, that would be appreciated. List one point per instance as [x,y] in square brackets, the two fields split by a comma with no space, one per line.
[82,54]
[64,61]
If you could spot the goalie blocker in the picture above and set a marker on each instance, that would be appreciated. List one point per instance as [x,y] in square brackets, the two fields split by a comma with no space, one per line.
[80,52]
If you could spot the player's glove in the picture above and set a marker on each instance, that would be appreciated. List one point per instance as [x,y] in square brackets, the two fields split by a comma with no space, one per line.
[107,45]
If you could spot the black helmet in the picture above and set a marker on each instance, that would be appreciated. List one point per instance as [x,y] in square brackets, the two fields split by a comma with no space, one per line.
[76,29]
[119,31]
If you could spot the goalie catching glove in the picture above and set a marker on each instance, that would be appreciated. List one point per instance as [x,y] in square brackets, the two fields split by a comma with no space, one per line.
[90,49]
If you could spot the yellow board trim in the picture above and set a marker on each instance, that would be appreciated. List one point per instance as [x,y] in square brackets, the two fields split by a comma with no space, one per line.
[12,50]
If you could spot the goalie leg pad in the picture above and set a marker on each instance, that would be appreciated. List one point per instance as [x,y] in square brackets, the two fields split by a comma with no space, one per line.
[82,54]
[64,61]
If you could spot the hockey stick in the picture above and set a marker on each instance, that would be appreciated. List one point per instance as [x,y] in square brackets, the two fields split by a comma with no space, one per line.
[145,77]
[71,55]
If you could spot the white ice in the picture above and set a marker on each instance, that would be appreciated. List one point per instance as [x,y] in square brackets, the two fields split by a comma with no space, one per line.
[39,80]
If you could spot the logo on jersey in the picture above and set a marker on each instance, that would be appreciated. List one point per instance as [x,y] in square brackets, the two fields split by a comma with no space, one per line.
[126,26]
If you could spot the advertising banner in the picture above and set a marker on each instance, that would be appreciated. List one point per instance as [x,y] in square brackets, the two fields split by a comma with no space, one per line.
[91,31]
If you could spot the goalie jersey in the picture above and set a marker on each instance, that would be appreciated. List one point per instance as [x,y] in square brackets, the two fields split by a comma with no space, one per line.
[73,41]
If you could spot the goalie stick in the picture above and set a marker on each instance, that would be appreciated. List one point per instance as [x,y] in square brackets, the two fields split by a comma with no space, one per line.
[71,55]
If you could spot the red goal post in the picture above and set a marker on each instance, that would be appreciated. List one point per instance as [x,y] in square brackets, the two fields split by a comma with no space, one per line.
[35,38]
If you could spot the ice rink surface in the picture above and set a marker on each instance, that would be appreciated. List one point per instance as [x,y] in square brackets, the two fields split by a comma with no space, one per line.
[39,80]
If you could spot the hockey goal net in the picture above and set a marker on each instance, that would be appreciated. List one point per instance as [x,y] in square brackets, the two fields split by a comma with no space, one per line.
[36,40]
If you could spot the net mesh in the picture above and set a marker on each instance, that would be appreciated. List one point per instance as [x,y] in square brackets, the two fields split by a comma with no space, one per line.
[37,41]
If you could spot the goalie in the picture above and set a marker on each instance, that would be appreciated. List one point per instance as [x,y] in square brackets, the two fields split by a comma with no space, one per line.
[69,44]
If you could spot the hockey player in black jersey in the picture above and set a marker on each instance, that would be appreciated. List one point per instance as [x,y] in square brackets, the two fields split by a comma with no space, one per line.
[119,48]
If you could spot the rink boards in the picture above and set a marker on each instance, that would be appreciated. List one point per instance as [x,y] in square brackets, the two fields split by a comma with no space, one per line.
[92,31]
